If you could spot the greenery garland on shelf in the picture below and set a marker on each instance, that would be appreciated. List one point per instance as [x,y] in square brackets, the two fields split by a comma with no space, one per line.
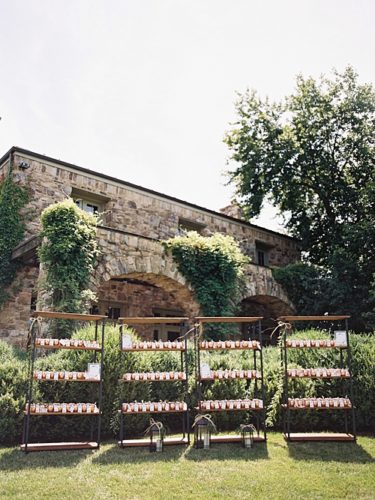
[213,266]
[12,199]
[68,253]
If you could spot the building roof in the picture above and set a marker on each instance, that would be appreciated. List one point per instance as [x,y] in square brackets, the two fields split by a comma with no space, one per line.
[16,149]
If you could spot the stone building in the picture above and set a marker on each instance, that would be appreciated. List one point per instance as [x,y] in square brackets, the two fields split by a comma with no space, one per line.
[134,276]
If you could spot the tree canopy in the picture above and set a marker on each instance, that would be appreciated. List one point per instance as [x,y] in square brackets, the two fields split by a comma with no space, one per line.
[312,155]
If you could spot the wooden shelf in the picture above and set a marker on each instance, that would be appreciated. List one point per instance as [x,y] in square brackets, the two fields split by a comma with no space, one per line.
[70,347]
[60,315]
[219,347]
[144,443]
[165,347]
[152,349]
[308,436]
[212,378]
[315,346]
[228,319]
[202,407]
[152,320]
[84,445]
[317,377]
[308,407]
[312,318]
[146,412]
[160,379]
[94,380]
[229,438]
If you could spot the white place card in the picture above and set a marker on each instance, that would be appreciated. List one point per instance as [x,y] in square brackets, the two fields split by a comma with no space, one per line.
[127,342]
[93,371]
[340,338]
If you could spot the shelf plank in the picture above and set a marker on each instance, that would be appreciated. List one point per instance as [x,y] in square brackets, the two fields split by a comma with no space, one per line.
[84,445]
[237,377]
[318,378]
[229,438]
[324,436]
[152,320]
[61,315]
[146,442]
[239,348]
[67,380]
[149,412]
[61,414]
[72,348]
[153,349]
[317,346]
[156,380]
[202,408]
[312,318]
[228,319]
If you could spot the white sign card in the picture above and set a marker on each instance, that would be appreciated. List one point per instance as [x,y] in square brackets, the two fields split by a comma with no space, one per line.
[93,370]
[340,338]
[127,342]
[205,370]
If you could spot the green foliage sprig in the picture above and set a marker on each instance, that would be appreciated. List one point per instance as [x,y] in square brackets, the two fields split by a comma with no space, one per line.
[12,199]
[68,253]
[213,266]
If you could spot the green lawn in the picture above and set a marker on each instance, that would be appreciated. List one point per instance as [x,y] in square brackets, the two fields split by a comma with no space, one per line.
[275,470]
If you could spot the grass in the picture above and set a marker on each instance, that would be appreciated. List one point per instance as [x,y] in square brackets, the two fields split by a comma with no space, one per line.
[274,471]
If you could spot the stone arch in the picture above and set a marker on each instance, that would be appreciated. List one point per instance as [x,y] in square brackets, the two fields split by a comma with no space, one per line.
[136,275]
[268,306]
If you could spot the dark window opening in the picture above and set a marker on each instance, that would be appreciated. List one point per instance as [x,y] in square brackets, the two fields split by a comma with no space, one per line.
[261,258]
[172,336]
[34,299]
[114,312]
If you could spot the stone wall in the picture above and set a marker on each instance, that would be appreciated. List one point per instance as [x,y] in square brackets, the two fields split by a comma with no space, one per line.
[133,210]
[133,222]
[15,314]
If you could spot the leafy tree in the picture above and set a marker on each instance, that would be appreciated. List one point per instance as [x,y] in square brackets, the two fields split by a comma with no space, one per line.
[213,266]
[12,199]
[68,253]
[312,155]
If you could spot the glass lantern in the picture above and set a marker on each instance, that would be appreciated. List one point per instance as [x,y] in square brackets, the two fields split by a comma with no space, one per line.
[202,434]
[247,434]
[156,437]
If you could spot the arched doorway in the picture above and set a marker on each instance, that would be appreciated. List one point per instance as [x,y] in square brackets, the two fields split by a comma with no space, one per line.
[147,294]
[270,308]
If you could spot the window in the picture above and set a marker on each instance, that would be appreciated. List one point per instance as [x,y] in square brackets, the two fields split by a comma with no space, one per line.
[88,206]
[185,225]
[114,312]
[262,252]
[261,258]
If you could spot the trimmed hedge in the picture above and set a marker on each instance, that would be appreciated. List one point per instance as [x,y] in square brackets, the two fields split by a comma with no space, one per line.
[13,386]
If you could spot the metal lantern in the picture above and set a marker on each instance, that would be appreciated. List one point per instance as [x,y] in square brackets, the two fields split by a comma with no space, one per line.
[247,434]
[156,433]
[202,431]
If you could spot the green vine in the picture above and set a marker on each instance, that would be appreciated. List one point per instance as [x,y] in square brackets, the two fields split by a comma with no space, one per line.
[68,254]
[213,266]
[12,199]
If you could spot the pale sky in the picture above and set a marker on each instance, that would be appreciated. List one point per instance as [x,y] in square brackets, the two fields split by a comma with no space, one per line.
[144,90]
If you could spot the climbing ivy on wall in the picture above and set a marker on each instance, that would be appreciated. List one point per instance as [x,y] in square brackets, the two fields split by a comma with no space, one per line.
[12,199]
[68,253]
[213,266]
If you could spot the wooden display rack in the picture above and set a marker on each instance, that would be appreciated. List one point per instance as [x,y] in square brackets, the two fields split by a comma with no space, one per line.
[254,407]
[37,343]
[152,408]
[343,405]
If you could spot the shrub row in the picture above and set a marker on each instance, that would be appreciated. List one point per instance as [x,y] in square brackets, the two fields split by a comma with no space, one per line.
[13,386]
